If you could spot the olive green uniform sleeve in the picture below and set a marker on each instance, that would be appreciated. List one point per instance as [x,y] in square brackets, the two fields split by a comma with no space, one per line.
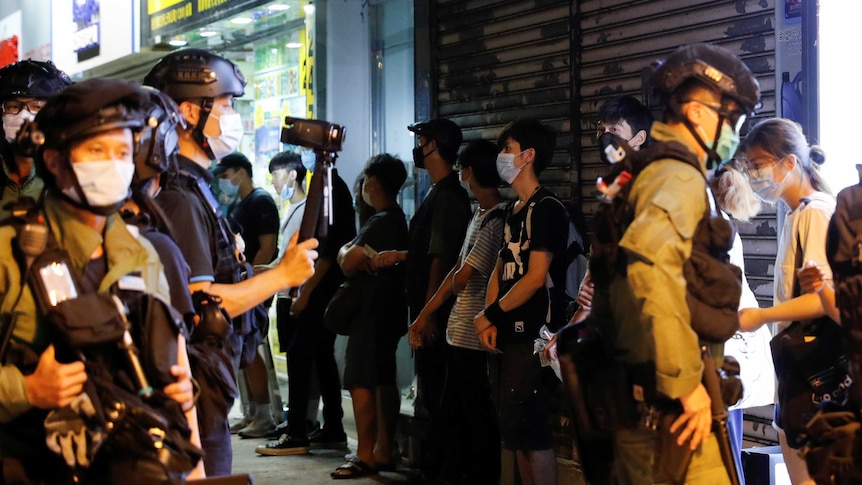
[669,199]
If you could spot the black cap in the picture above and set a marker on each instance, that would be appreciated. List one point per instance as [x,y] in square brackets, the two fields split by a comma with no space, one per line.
[90,107]
[234,160]
[445,132]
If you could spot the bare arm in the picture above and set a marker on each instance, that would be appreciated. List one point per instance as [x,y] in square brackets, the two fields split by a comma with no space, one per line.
[352,259]
[802,307]
[295,267]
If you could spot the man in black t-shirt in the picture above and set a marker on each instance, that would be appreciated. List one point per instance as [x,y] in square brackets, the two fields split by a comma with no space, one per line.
[255,217]
[534,246]
[312,344]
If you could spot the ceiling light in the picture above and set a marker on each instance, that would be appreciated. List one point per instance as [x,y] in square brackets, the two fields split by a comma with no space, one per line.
[293,45]
[177,42]
[207,33]
[241,20]
[279,6]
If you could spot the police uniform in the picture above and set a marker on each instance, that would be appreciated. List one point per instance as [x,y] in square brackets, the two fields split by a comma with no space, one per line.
[30,187]
[124,255]
[651,319]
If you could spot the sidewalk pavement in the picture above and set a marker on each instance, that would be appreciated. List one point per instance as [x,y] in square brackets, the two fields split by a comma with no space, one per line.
[311,469]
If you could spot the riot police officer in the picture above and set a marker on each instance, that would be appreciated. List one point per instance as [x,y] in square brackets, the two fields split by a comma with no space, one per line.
[75,395]
[24,88]
[204,86]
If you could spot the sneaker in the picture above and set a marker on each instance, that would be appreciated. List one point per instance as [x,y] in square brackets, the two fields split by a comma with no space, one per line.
[259,428]
[239,425]
[276,432]
[284,446]
[327,440]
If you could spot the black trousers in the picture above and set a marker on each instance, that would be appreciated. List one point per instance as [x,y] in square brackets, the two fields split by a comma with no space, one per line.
[309,344]
[469,419]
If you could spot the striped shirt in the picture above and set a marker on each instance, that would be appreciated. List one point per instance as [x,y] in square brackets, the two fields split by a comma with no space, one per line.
[480,249]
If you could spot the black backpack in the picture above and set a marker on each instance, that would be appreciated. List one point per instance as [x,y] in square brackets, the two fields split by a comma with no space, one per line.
[713,284]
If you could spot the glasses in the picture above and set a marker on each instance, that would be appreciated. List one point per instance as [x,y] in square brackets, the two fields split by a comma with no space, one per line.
[734,116]
[15,107]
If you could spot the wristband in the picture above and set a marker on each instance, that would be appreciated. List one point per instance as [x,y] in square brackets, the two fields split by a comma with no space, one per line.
[494,313]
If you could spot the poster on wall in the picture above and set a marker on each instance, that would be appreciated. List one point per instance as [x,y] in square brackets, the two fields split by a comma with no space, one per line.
[10,37]
[85,15]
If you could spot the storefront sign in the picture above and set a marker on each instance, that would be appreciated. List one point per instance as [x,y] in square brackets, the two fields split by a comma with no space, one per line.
[166,18]
[85,14]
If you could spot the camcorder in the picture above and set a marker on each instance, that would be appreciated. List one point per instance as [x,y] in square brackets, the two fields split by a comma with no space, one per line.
[315,134]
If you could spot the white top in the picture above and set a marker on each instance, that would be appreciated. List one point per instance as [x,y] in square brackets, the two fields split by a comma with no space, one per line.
[806,225]
[480,248]
[751,349]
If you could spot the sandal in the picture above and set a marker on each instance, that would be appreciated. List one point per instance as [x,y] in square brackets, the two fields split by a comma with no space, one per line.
[382,467]
[353,469]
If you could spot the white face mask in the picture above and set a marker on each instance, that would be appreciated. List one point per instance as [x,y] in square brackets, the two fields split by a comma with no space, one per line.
[231,135]
[12,123]
[104,183]
[506,166]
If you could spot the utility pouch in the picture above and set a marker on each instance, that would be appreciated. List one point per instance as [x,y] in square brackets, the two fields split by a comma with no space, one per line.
[87,320]
[214,320]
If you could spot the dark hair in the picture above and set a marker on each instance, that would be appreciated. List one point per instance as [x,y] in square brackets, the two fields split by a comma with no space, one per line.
[388,170]
[530,133]
[780,137]
[290,161]
[481,156]
[237,161]
[629,109]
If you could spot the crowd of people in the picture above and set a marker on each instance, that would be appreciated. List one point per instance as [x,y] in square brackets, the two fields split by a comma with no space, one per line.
[135,306]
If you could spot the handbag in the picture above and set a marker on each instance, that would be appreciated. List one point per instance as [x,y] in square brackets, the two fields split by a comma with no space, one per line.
[811,366]
[349,304]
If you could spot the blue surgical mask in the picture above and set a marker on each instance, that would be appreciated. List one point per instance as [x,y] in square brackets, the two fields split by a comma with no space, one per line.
[287,192]
[227,187]
[309,158]
[763,184]
[506,166]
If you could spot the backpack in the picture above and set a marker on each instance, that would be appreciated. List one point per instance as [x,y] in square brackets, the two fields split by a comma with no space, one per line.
[576,260]
[713,284]
[844,252]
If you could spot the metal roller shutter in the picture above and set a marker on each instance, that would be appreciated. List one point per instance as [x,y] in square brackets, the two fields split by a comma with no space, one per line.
[619,39]
[497,61]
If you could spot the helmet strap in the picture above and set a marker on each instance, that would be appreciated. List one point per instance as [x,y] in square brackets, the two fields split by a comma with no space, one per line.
[206,107]
[712,158]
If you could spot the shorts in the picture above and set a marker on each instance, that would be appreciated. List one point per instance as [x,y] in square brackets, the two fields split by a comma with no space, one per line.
[523,400]
[370,361]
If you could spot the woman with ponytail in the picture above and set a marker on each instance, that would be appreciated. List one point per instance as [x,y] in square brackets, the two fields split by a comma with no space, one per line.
[782,166]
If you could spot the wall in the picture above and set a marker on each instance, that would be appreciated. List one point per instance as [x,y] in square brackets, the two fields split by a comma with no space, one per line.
[34,40]
[118,30]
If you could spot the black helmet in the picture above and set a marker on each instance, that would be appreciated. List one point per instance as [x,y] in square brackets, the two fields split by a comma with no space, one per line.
[29,78]
[157,149]
[87,108]
[196,73]
[714,66]
[82,110]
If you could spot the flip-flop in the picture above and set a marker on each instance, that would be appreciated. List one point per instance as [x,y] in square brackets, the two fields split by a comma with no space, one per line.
[353,469]
[383,467]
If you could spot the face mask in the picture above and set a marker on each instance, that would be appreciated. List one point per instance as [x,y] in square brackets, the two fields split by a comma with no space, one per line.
[764,186]
[419,156]
[309,158]
[287,192]
[12,123]
[105,184]
[727,143]
[227,187]
[506,166]
[231,134]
